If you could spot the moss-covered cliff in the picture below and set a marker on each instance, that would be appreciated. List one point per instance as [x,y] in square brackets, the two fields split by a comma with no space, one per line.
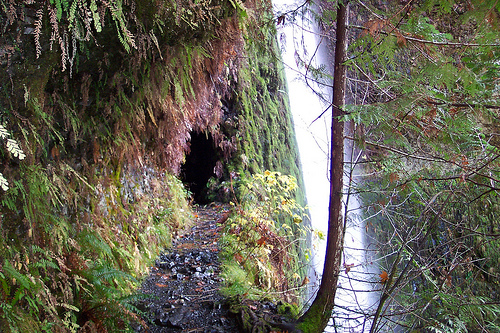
[122,108]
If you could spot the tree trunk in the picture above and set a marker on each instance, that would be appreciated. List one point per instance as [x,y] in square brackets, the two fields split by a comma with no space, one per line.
[316,317]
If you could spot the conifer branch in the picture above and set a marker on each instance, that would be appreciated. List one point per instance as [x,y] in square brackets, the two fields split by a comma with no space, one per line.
[424,41]
[463,105]
[281,18]
[399,152]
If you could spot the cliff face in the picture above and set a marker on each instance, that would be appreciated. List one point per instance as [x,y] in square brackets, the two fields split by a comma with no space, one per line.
[121,107]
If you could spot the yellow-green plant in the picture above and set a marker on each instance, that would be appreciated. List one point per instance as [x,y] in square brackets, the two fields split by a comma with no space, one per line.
[262,237]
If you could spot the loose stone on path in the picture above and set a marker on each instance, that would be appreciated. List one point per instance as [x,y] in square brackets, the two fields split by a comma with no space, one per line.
[184,283]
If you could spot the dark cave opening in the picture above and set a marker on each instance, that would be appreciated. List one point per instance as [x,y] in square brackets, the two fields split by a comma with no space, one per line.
[199,166]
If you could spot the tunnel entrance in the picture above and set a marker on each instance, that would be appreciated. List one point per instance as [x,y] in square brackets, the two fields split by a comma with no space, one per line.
[199,166]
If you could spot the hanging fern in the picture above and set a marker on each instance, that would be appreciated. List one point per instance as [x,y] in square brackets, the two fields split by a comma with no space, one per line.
[95,15]
[13,147]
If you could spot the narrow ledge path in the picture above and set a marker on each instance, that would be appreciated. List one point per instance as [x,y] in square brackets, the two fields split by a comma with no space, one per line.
[185,282]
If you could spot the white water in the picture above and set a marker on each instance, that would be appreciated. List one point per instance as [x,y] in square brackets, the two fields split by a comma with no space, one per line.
[354,299]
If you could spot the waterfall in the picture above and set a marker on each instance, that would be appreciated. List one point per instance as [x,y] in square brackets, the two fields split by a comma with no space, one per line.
[355,298]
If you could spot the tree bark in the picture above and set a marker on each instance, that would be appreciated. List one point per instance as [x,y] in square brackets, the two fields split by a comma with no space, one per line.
[316,318]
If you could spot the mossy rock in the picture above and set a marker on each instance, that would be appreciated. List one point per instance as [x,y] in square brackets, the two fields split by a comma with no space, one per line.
[288,310]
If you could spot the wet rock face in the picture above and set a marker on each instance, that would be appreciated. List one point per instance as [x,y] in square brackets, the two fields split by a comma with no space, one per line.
[183,287]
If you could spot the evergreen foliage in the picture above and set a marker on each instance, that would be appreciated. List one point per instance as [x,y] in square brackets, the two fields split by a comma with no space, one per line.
[425,106]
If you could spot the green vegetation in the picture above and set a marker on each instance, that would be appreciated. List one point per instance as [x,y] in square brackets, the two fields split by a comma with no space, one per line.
[70,262]
[262,242]
[259,249]
[102,98]
[266,137]
[98,103]
[425,105]
[259,245]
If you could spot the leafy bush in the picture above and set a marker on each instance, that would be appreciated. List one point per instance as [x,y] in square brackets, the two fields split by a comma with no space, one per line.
[260,242]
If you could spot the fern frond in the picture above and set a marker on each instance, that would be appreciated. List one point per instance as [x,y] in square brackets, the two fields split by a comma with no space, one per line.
[110,274]
[23,280]
[54,24]
[69,307]
[3,132]
[95,16]
[38,31]
[134,298]
[44,263]
[110,280]
[4,184]
[59,9]
[155,42]
[94,242]
[72,14]
[37,249]
[13,147]
[10,11]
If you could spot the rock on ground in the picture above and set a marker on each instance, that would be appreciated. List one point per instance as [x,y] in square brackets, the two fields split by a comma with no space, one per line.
[184,283]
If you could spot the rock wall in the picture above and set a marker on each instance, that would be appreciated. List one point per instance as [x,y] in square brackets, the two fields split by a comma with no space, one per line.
[104,98]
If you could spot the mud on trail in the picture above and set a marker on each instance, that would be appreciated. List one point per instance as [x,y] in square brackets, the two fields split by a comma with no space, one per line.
[184,283]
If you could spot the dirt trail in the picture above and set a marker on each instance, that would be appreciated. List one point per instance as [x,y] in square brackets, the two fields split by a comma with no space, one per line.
[185,282]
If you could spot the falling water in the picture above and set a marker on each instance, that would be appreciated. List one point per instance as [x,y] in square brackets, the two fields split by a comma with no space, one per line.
[355,298]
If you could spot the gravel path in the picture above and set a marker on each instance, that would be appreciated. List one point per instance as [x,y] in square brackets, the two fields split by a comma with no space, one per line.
[185,282]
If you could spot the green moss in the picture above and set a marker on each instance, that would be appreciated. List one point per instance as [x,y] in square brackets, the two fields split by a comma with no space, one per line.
[316,320]
[268,127]
[75,203]
[289,310]
[268,136]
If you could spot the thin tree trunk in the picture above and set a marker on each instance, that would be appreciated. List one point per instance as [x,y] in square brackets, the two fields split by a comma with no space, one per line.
[315,319]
